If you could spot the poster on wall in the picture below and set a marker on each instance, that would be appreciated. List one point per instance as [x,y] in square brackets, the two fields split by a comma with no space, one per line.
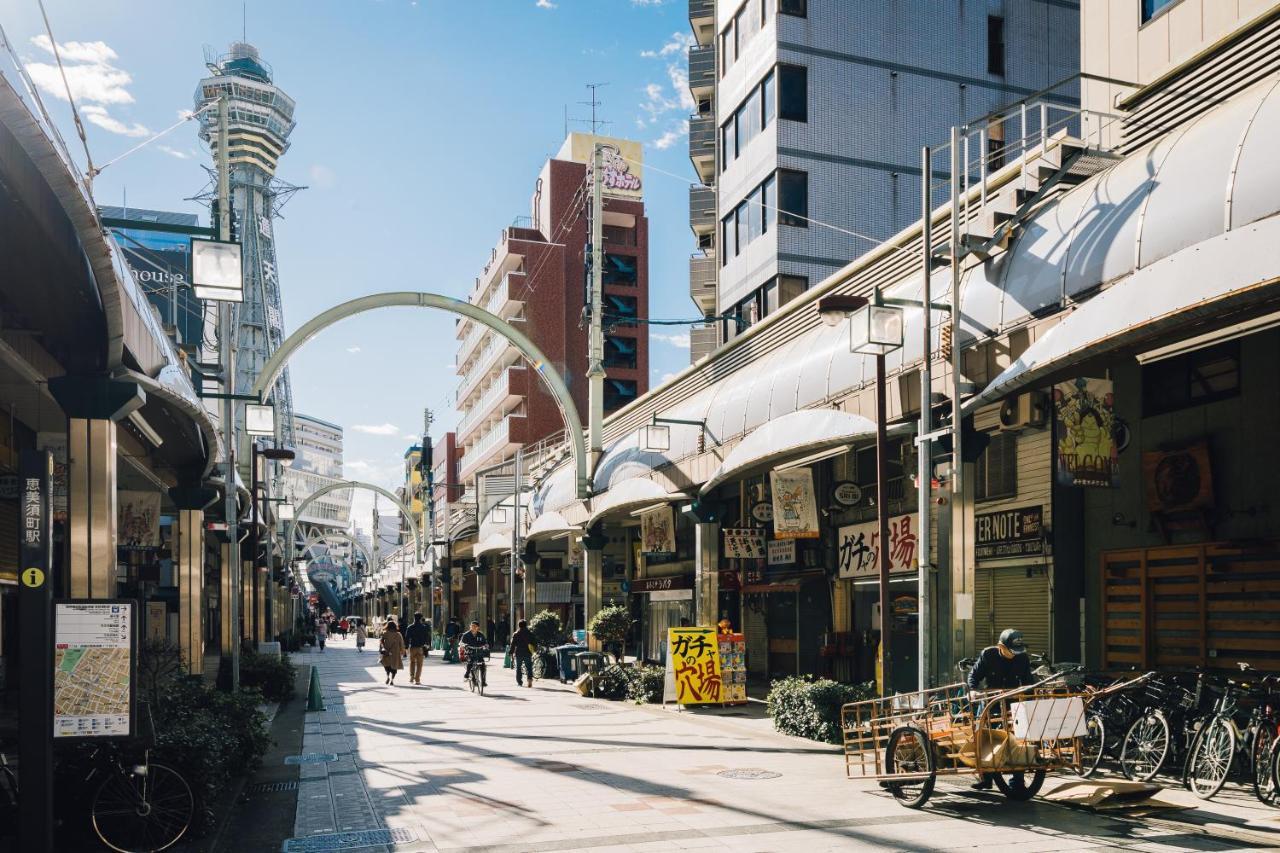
[1085,423]
[658,531]
[93,668]
[745,543]
[795,510]
[858,545]
[1178,480]
[782,552]
[138,520]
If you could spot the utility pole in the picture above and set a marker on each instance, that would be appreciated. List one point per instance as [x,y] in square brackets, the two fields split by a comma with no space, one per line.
[925,629]
[595,345]
[429,500]
[377,543]
[226,321]
[515,547]
[959,553]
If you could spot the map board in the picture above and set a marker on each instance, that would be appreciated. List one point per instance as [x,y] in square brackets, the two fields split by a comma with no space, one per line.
[93,668]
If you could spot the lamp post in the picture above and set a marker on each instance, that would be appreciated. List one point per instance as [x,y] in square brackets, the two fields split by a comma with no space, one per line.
[874,329]
[285,457]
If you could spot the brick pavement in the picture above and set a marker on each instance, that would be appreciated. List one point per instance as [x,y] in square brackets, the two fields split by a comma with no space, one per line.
[542,769]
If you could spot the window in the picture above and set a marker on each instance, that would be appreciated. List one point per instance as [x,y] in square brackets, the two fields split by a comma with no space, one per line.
[799,8]
[748,121]
[1151,8]
[740,228]
[793,92]
[1194,379]
[781,290]
[754,223]
[751,218]
[749,118]
[768,203]
[618,392]
[995,45]
[728,144]
[619,269]
[768,92]
[619,352]
[995,474]
[793,198]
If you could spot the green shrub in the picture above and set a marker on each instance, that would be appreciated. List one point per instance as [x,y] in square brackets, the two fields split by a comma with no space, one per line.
[810,708]
[611,625]
[647,684]
[611,683]
[274,675]
[546,628]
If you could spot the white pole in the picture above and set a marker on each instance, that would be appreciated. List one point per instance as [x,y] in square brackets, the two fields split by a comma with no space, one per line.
[958,554]
[595,351]
[226,344]
[515,544]
[924,468]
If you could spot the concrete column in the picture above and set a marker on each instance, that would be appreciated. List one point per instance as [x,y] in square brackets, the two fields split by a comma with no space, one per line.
[706,574]
[93,404]
[592,585]
[189,565]
[482,599]
[227,634]
[246,599]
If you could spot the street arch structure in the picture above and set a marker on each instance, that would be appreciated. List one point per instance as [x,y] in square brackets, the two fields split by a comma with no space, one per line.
[318,537]
[352,484]
[398,299]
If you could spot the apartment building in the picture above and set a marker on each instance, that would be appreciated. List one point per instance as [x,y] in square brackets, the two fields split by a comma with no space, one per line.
[318,445]
[536,279]
[811,119]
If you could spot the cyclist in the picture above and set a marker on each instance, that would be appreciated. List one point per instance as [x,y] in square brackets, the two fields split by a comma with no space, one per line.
[451,632]
[1003,666]
[477,644]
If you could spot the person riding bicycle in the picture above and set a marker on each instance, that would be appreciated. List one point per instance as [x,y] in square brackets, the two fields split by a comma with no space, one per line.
[1003,666]
[451,631]
[476,644]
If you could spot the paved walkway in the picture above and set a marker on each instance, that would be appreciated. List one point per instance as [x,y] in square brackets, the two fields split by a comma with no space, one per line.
[519,769]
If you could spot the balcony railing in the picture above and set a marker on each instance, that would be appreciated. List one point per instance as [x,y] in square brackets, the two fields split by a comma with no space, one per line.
[702,145]
[702,209]
[702,282]
[488,401]
[478,454]
[491,354]
[702,69]
[702,11]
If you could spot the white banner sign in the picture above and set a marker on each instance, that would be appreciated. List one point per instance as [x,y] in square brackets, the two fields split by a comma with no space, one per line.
[658,531]
[859,547]
[138,519]
[782,552]
[744,543]
[795,510]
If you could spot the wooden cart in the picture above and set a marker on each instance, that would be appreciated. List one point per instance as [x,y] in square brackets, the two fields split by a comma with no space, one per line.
[1018,736]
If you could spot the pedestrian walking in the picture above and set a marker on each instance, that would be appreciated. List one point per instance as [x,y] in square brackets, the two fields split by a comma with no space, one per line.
[343,626]
[418,638]
[322,632]
[391,647]
[522,648]
[451,632]
[362,634]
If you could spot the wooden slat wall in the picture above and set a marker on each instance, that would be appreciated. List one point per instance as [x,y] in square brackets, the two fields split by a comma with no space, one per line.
[1192,605]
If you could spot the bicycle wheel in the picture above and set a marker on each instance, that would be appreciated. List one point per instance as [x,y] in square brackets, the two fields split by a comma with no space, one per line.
[1092,746]
[1209,761]
[539,666]
[142,812]
[1017,786]
[908,751]
[1146,747]
[1264,739]
[472,680]
[479,676]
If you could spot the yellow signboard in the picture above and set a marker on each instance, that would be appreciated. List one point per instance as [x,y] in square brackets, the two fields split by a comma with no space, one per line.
[623,161]
[694,657]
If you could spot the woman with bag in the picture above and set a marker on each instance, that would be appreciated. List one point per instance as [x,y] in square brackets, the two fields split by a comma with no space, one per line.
[522,649]
[392,649]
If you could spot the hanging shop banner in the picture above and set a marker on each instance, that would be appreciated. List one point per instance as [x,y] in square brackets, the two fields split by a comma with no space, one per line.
[795,511]
[1087,454]
[93,668]
[782,552]
[1178,480]
[859,544]
[762,511]
[694,656]
[658,531]
[138,520]
[846,493]
[1009,533]
[745,543]
[651,585]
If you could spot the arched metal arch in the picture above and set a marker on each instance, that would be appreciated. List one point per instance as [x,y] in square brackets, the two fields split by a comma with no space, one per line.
[351,484]
[555,382]
[317,538]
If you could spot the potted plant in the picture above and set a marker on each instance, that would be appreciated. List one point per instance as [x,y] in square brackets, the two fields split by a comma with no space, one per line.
[611,626]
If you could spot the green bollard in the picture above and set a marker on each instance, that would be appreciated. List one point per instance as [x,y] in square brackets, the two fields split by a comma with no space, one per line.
[315,702]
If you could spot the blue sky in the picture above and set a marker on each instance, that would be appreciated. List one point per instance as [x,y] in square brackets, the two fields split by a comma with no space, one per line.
[421,129]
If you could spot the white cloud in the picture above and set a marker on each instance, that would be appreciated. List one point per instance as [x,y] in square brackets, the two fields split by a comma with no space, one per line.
[675,339]
[672,136]
[647,2]
[90,75]
[174,152]
[98,115]
[677,44]
[357,349]
[78,51]
[672,96]
[667,377]
[377,429]
[545,4]
[322,177]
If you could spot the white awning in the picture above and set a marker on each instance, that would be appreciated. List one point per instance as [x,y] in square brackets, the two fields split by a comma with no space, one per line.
[1226,276]
[494,543]
[790,436]
[549,526]
[631,494]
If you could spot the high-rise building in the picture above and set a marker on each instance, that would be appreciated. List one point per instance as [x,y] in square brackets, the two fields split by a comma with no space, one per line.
[813,113]
[536,278]
[318,463]
[260,121]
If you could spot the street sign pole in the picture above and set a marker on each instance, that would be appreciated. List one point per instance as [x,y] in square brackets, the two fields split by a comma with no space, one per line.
[35,631]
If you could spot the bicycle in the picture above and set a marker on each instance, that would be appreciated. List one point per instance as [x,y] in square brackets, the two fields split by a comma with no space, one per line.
[1162,732]
[1220,741]
[475,656]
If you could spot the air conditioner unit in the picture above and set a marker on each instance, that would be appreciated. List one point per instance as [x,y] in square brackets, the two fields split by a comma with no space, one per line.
[1025,410]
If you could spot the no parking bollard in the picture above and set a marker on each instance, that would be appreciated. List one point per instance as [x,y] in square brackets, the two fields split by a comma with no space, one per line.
[315,702]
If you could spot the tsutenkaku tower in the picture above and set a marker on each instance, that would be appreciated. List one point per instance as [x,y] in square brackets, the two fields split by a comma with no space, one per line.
[261,119]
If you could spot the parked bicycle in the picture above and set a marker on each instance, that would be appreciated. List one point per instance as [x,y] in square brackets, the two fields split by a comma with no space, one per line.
[1221,743]
[1161,734]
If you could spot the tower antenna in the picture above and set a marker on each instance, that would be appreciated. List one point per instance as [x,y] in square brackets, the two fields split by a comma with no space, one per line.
[595,102]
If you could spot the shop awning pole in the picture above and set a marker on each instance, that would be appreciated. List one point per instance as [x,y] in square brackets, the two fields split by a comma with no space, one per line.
[924,453]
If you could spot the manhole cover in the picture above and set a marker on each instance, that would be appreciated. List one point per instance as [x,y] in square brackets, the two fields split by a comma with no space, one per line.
[349,840]
[748,773]
[264,787]
[310,758]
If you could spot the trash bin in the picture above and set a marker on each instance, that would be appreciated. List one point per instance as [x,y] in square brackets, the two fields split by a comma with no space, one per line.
[589,663]
[566,661]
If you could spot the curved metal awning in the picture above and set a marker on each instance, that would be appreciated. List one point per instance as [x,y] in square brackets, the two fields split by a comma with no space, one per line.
[550,526]
[1227,276]
[494,543]
[631,494]
[790,436]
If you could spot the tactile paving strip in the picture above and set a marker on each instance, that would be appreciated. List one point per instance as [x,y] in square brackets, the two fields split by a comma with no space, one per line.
[349,840]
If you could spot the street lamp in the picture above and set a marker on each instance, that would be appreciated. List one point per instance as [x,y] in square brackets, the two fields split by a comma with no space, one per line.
[874,329]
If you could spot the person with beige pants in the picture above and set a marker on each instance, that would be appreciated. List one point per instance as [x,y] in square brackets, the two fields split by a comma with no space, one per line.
[418,638]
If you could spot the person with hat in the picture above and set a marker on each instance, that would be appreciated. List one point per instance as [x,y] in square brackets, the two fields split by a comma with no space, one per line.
[1003,666]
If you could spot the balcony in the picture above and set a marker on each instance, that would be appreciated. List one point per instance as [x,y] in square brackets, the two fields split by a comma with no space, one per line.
[702,18]
[702,209]
[495,355]
[509,389]
[702,145]
[703,341]
[501,303]
[702,282]
[702,71]
[471,341]
[498,442]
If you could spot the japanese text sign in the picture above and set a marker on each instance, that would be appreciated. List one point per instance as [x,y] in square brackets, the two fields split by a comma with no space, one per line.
[743,543]
[859,545]
[694,655]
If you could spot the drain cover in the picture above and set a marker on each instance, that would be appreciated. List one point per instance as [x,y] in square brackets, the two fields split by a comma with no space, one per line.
[748,773]
[348,840]
[311,758]
[264,787]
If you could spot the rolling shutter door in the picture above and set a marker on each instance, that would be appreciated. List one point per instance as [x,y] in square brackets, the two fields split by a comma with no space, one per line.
[1008,598]
[756,630]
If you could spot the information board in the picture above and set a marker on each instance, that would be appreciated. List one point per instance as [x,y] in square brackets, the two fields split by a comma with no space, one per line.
[693,654]
[93,668]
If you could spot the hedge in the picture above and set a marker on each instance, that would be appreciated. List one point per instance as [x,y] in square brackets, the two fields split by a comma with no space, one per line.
[810,708]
